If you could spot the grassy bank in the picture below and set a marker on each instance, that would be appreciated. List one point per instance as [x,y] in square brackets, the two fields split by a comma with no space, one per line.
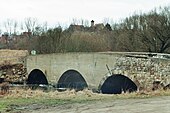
[16,99]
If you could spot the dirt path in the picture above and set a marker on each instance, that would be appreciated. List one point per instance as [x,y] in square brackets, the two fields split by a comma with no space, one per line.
[150,105]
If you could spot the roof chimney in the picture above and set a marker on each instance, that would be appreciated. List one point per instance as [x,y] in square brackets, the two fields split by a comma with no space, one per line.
[92,23]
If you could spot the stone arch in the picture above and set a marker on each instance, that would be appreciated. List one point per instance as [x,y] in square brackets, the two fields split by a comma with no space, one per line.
[36,76]
[72,79]
[116,84]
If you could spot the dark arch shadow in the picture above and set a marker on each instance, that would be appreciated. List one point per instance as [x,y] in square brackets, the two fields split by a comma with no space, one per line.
[117,83]
[37,77]
[167,87]
[72,79]
[1,80]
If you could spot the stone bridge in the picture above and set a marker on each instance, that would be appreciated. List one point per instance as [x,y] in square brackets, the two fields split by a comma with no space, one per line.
[96,67]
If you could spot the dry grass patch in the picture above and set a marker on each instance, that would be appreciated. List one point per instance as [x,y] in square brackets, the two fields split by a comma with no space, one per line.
[85,94]
[11,56]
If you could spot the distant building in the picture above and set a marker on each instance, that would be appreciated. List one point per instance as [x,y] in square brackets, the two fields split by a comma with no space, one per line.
[93,28]
[99,26]
[27,33]
[4,38]
[76,27]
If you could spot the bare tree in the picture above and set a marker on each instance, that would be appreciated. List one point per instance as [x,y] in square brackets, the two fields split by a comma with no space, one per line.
[83,22]
[155,34]
[51,41]
[11,26]
[30,24]
[40,29]
[145,32]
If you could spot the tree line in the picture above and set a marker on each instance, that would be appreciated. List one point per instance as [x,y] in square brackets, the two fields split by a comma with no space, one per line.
[144,32]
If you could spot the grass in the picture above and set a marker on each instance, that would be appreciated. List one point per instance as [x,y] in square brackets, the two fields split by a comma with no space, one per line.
[16,99]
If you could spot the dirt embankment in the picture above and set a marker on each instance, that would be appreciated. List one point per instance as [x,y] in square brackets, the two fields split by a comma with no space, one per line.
[12,56]
[12,65]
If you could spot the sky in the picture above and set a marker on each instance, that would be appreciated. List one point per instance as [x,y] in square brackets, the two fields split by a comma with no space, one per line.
[64,11]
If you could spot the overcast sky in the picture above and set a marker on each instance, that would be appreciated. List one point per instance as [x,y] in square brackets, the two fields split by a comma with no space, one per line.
[64,11]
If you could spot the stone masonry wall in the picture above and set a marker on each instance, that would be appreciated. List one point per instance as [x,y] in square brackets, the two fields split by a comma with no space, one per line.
[144,70]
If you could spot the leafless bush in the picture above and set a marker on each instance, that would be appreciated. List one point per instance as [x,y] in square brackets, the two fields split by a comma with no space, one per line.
[4,88]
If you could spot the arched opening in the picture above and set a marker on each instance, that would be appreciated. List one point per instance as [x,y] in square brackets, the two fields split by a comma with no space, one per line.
[167,87]
[1,80]
[72,79]
[116,84]
[36,76]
